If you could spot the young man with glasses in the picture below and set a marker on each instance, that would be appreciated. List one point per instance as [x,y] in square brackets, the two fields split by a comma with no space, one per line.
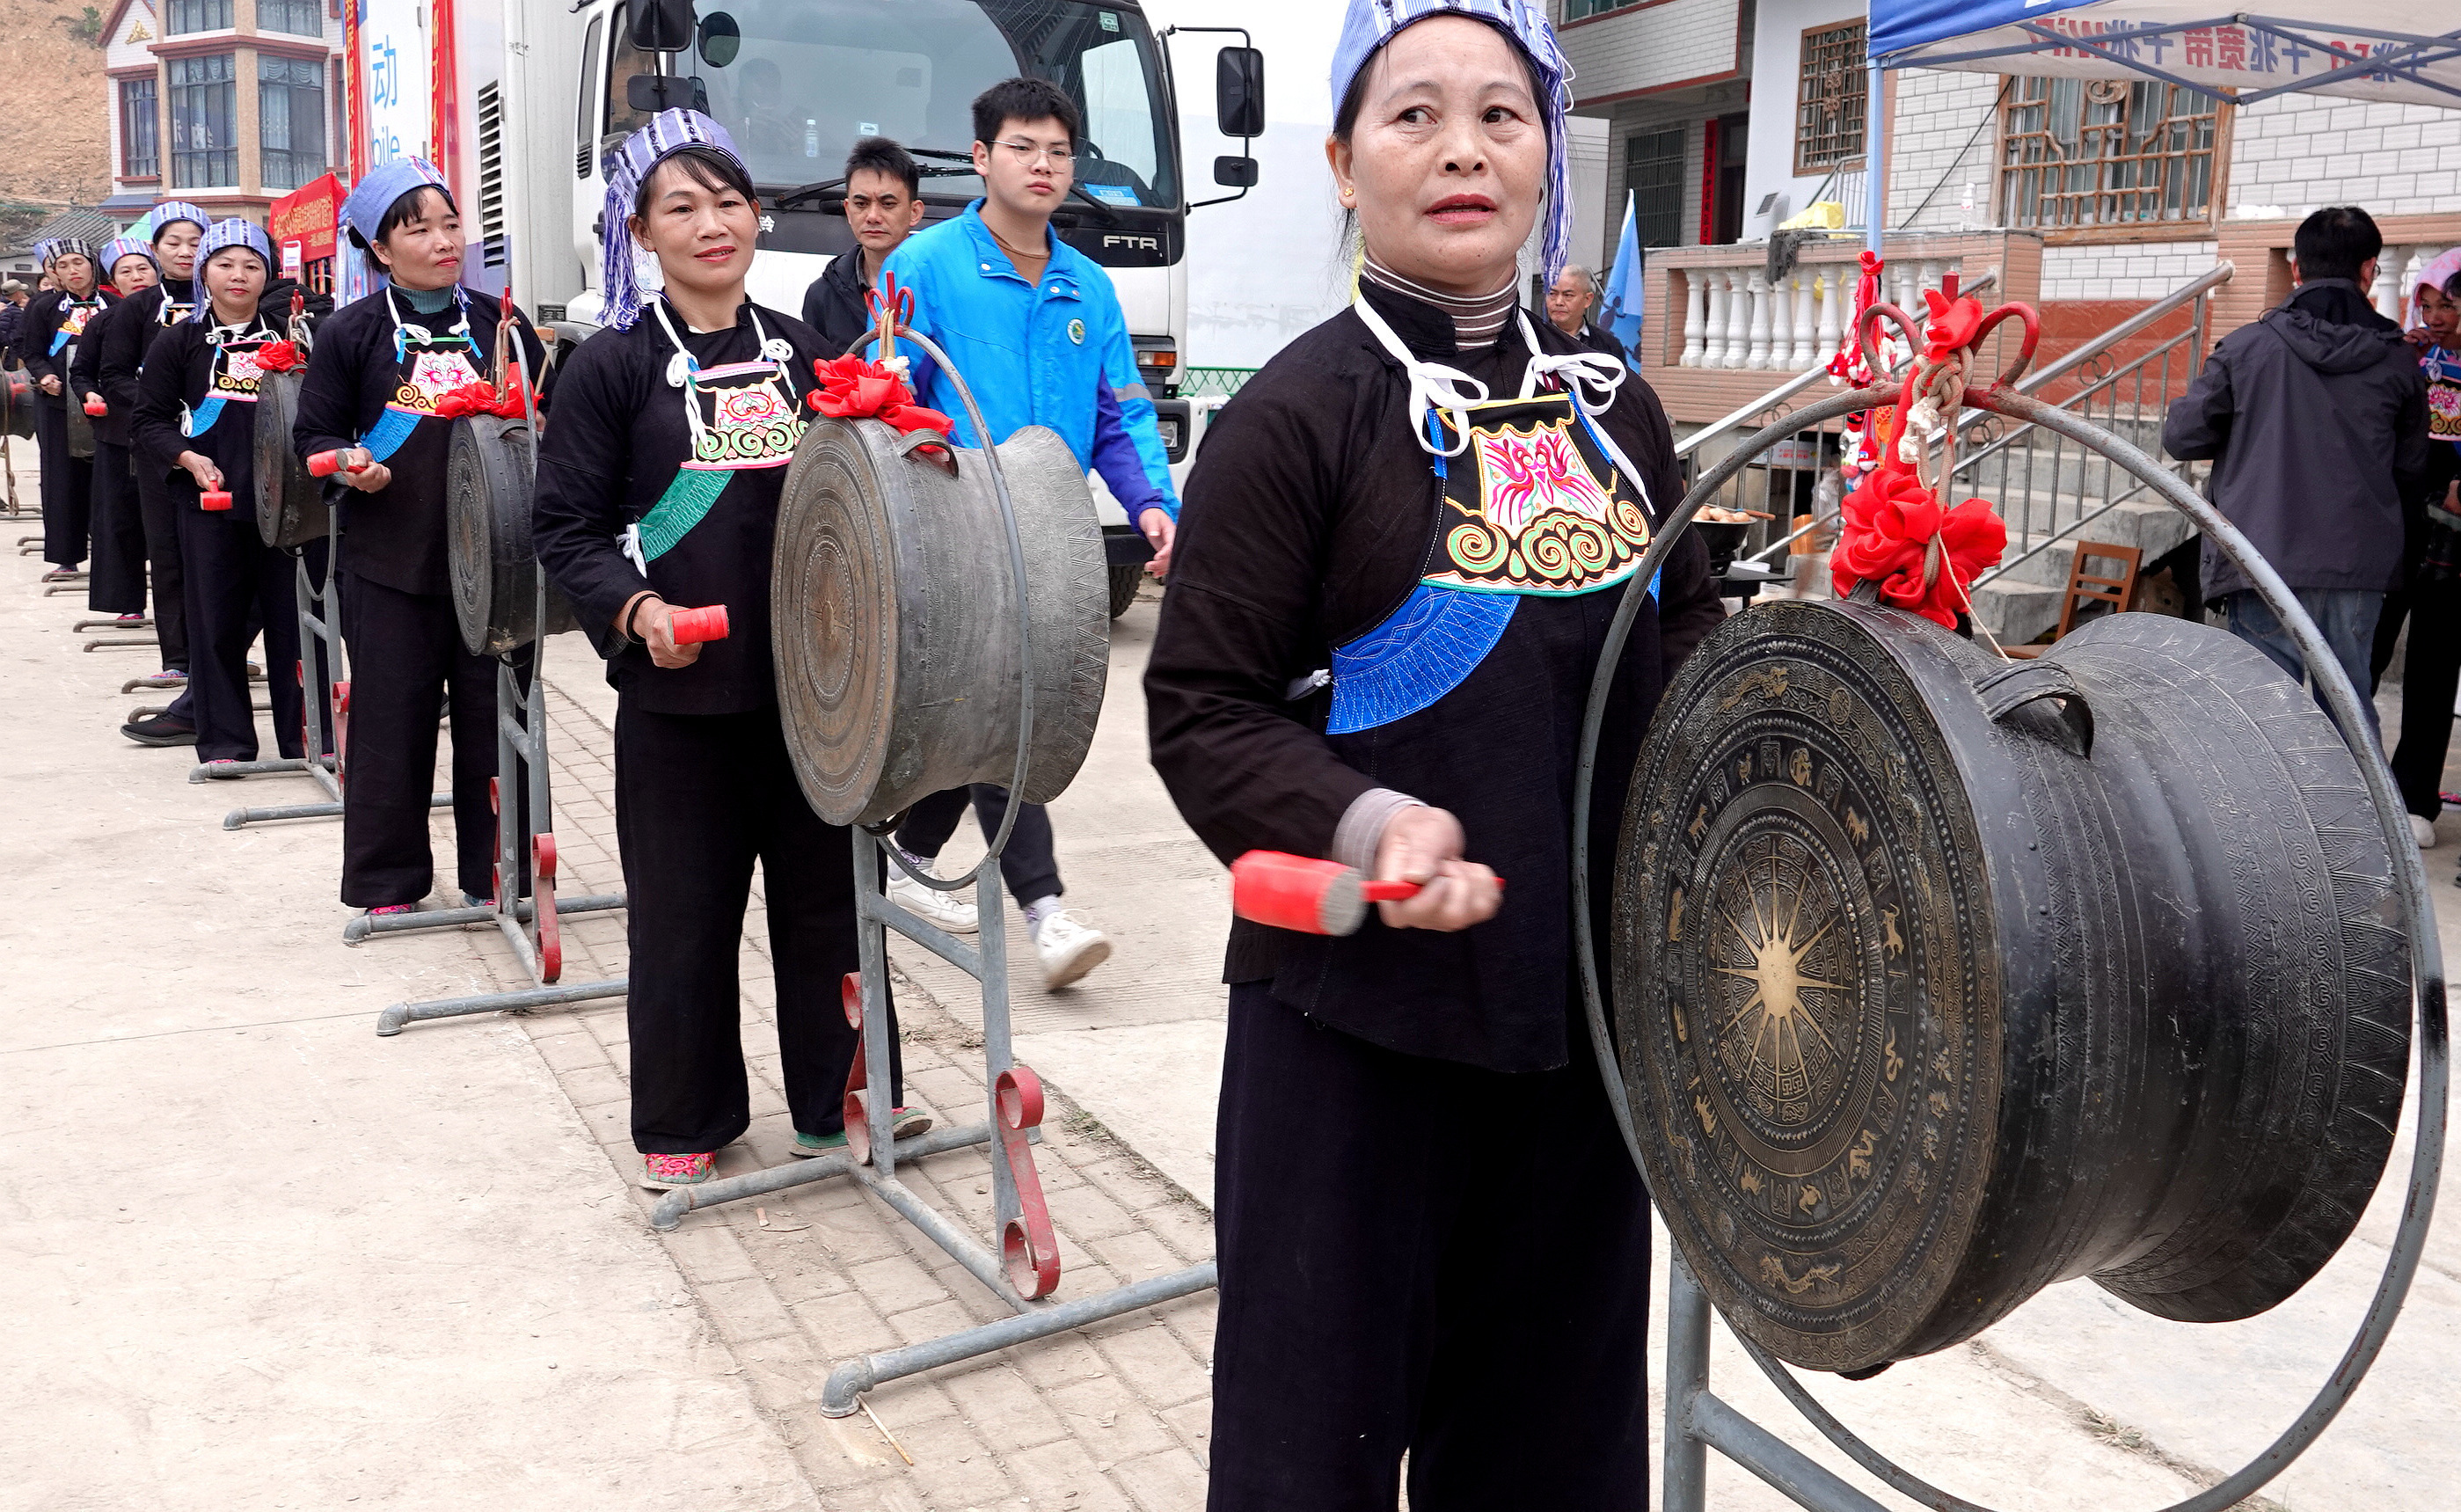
[1036,329]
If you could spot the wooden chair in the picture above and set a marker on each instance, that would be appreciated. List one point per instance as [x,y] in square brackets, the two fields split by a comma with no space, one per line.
[2084,586]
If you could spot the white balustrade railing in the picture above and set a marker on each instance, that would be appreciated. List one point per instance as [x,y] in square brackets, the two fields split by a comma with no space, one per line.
[1734,317]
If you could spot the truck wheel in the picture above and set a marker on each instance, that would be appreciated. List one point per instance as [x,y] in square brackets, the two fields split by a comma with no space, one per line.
[1124,578]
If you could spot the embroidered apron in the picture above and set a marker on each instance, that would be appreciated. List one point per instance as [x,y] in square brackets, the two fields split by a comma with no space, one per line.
[235,376]
[740,416]
[426,367]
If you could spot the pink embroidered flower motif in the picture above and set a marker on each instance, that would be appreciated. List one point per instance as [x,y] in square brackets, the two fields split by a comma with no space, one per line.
[1529,477]
[679,1167]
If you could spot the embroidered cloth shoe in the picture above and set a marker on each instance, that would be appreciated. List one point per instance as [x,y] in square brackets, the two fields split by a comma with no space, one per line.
[167,677]
[388,910]
[161,731]
[1069,947]
[63,575]
[223,769]
[662,1172]
[946,910]
[904,1124]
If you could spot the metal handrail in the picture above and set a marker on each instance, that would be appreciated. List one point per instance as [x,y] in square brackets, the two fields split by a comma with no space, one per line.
[2180,298]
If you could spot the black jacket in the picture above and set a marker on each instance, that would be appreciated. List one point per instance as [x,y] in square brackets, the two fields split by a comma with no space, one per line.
[43,316]
[396,536]
[1308,522]
[619,438]
[833,306]
[1597,338]
[125,341]
[178,373]
[2315,419]
[85,377]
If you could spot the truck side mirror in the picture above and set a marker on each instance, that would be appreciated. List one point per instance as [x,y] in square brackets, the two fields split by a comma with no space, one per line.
[1235,172]
[662,25]
[652,92]
[1238,92]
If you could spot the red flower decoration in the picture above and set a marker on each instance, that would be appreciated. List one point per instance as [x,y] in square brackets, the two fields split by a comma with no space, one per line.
[277,357]
[481,399]
[853,387]
[1889,522]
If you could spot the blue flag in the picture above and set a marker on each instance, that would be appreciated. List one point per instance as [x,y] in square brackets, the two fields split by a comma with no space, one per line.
[1622,312]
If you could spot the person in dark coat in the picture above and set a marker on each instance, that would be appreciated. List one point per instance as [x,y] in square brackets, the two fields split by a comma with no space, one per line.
[379,367]
[2315,419]
[196,426]
[117,585]
[884,204]
[173,230]
[47,335]
[1569,299]
[1376,651]
[658,483]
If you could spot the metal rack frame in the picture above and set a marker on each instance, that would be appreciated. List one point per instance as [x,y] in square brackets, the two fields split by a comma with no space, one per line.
[1696,1420]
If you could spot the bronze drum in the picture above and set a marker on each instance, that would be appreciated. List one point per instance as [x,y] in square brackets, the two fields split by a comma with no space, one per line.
[1940,978]
[489,464]
[895,617]
[291,509]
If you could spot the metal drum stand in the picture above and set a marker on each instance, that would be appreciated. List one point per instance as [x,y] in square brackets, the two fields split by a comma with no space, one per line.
[524,830]
[1026,1271]
[1697,1419]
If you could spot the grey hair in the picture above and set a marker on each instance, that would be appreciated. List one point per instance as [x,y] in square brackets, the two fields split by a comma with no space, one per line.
[1587,277]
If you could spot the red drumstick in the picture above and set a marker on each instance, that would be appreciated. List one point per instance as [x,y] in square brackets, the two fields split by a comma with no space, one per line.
[325,465]
[213,498]
[1314,897]
[96,407]
[695,626]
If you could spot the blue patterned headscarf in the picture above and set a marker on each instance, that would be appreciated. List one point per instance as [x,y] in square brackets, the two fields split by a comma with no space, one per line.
[235,233]
[59,246]
[1372,23]
[121,246]
[169,213]
[373,194]
[623,262]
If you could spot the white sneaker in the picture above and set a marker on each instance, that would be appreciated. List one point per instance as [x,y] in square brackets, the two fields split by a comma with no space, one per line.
[1069,948]
[2423,830]
[946,910]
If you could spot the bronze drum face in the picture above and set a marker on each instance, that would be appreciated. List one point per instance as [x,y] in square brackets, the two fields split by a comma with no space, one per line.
[290,503]
[1940,978]
[895,617]
[490,464]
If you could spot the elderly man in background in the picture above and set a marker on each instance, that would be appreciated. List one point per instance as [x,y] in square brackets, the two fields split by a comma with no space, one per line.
[1569,302]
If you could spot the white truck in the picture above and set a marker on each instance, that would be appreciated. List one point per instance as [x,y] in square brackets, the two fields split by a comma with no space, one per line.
[540,88]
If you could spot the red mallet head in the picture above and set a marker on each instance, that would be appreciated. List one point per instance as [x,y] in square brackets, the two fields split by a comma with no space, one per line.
[213,498]
[693,626]
[1298,892]
[325,465]
[96,407]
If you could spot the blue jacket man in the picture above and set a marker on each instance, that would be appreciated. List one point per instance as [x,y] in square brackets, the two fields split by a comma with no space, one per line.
[1051,351]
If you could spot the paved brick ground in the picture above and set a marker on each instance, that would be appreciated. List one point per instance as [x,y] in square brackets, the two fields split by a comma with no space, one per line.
[1112,1417]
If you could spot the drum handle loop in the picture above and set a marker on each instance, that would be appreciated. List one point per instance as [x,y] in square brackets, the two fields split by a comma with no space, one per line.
[939,453]
[2004,693]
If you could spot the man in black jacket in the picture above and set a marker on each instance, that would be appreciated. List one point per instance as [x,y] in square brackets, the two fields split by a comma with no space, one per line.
[1569,299]
[884,204]
[2315,419]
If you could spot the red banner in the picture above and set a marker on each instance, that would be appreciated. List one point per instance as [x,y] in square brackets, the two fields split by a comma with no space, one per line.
[309,216]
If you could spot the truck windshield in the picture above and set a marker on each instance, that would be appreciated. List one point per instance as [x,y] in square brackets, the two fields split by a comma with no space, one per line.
[810,76]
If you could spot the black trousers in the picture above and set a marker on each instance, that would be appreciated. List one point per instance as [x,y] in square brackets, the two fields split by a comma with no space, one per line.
[698,798]
[407,661]
[160,511]
[117,524]
[235,582]
[68,487]
[1027,862]
[1421,1256]
[2430,676]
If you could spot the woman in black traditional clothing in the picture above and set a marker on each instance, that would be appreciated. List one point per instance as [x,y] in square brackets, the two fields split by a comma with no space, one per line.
[117,585]
[657,490]
[195,427]
[379,366]
[1388,600]
[173,230]
[46,343]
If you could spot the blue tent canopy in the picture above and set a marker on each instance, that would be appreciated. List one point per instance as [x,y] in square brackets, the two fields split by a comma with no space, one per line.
[2369,50]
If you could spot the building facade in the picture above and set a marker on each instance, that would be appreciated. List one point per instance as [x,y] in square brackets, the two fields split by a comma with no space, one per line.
[227,103]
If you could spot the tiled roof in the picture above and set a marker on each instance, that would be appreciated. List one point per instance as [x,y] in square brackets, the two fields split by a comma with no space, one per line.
[94,226]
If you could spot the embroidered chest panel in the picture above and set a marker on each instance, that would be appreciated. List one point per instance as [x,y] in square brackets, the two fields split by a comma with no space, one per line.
[742,417]
[1533,506]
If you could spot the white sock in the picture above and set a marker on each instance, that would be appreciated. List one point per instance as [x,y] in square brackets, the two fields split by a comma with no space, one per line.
[1039,911]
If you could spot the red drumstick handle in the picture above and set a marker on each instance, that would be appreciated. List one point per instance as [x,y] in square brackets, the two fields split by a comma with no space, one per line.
[214,500]
[1388,891]
[693,626]
[325,465]
[96,407]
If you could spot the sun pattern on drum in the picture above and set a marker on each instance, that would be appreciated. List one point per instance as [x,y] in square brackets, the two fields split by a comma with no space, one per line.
[1774,1040]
